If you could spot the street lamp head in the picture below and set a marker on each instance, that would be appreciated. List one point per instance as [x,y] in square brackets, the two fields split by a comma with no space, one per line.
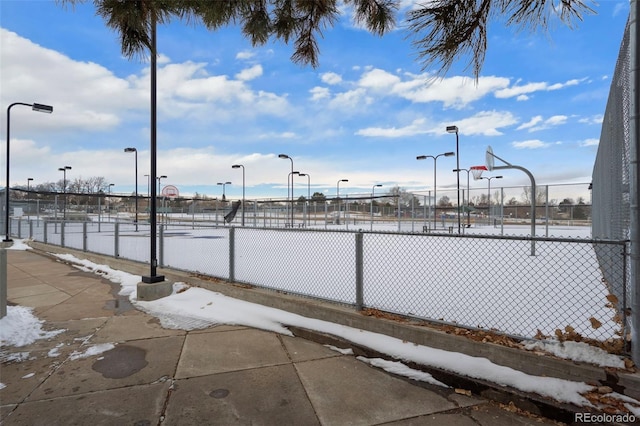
[162,177]
[219,183]
[227,183]
[42,108]
[498,177]
[62,169]
[302,174]
[29,179]
[449,154]
[344,180]
[236,166]
[283,156]
[112,184]
[377,186]
[421,157]
[452,129]
[130,150]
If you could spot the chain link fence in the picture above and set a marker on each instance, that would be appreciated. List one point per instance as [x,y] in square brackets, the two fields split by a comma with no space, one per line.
[612,186]
[473,281]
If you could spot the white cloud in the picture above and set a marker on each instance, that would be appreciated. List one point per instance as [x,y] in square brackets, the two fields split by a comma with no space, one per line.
[92,98]
[245,54]
[453,92]
[519,91]
[556,120]
[318,93]
[530,144]
[484,123]
[590,142]
[351,100]
[377,79]
[535,120]
[249,73]
[594,119]
[537,123]
[415,128]
[331,78]
[97,100]
[163,59]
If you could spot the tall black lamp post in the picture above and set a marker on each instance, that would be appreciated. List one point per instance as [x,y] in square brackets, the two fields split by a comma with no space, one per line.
[64,191]
[435,198]
[454,129]
[338,198]
[237,166]
[468,195]
[373,194]
[36,107]
[28,196]
[289,183]
[136,157]
[488,179]
[308,203]
[224,197]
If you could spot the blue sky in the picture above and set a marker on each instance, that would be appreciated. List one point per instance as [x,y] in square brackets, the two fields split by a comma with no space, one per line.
[364,114]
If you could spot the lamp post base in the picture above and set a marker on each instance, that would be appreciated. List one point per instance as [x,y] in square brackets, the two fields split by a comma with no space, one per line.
[155,290]
[7,240]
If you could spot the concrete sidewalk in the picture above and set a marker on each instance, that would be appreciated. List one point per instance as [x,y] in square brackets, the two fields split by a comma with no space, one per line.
[222,375]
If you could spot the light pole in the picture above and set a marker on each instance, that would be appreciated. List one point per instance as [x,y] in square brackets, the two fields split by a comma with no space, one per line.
[136,157]
[148,184]
[64,190]
[338,198]
[224,198]
[109,198]
[435,198]
[468,196]
[289,182]
[373,194]
[148,198]
[28,193]
[237,166]
[36,107]
[159,180]
[489,196]
[454,129]
[308,203]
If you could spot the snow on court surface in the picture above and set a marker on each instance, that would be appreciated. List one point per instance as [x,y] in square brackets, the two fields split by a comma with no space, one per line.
[190,308]
[489,283]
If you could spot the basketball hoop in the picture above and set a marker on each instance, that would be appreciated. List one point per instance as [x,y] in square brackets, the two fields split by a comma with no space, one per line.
[170,191]
[476,171]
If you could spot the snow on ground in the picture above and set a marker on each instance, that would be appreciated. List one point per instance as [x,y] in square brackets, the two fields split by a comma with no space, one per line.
[21,328]
[191,308]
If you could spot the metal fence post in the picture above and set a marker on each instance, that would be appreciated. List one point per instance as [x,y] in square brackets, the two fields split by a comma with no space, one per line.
[359,271]
[84,236]
[30,229]
[44,229]
[232,253]
[3,283]
[19,228]
[161,247]
[62,231]
[116,240]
